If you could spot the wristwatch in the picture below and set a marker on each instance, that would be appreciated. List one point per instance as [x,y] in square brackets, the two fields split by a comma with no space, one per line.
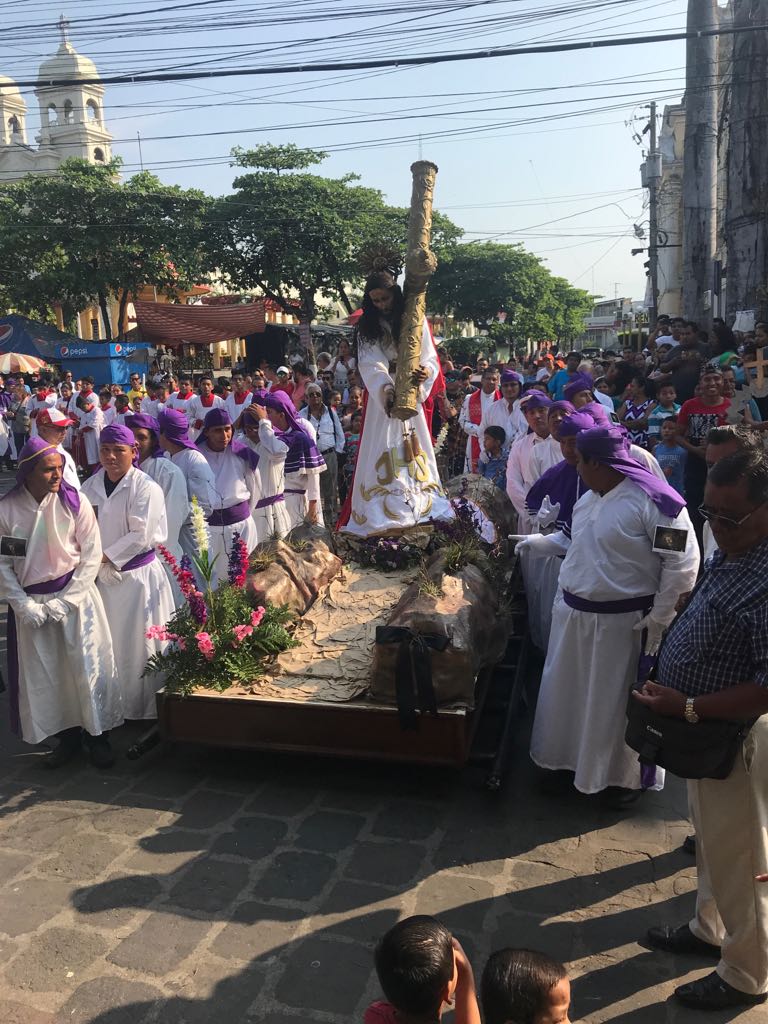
[690,714]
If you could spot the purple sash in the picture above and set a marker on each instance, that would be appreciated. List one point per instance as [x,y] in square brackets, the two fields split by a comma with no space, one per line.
[264,502]
[138,560]
[629,604]
[230,516]
[48,587]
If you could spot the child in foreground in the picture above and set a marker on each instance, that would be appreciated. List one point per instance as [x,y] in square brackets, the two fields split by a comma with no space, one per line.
[422,970]
[522,987]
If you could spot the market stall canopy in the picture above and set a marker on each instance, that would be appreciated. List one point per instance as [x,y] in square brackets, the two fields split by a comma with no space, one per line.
[27,337]
[168,324]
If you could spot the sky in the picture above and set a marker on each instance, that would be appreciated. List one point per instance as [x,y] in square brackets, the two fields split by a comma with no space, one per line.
[540,149]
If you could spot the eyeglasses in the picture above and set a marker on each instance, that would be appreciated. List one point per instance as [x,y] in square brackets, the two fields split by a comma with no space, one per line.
[729,523]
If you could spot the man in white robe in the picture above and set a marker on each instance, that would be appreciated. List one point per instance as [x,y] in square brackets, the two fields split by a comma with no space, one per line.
[236,490]
[238,400]
[52,426]
[135,589]
[62,675]
[619,582]
[520,475]
[174,439]
[505,413]
[159,467]
[201,404]
[270,515]
[474,409]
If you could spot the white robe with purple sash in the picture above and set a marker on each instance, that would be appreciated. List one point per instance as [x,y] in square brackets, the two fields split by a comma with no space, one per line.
[67,673]
[234,483]
[592,659]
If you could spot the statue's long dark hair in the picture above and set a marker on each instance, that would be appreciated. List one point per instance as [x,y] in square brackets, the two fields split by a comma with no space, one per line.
[369,325]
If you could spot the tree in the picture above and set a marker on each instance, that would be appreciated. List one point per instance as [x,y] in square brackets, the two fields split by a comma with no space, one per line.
[297,235]
[478,280]
[82,235]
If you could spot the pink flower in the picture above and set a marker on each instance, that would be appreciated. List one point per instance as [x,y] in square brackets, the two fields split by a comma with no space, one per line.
[181,643]
[205,645]
[257,616]
[241,632]
[157,633]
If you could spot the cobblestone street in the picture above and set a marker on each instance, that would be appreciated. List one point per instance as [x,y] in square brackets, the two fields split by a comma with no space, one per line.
[199,886]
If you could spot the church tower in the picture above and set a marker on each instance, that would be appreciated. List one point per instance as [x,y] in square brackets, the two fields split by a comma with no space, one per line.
[72,115]
[13,112]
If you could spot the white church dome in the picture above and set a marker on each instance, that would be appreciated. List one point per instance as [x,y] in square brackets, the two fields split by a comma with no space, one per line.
[66,63]
[8,87]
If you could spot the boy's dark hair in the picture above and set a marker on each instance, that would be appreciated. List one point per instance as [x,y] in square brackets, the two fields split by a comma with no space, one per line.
[124,399]
[414,962]
[497,433]
[515,985]
[669,419]
[105,393]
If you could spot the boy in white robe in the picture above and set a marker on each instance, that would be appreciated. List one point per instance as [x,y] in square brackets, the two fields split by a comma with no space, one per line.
[520,475]
[134,587]
[52,426]
[174,439]
[270,515]
[236,488]
[201,404]
[62,675]
[619,582]
[91,423]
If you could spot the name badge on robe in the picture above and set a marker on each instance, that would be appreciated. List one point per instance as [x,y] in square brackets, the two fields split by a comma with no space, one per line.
[15,547]
[669,538]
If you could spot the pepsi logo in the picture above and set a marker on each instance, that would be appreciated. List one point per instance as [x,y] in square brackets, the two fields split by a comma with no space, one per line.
[64,351]
[6,333]
[118,349]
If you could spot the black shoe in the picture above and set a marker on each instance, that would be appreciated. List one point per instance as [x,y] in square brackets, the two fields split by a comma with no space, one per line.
[100,752]
[689,845]
[680,940]
[70,745]
[617,798]
[712,993]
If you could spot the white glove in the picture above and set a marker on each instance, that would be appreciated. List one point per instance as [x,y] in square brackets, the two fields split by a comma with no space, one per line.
[655,633]
[109,574]
[541,545]
[58,609]
[548,513]
[30,613]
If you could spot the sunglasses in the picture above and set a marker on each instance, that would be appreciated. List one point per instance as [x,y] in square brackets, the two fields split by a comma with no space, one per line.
[731,524]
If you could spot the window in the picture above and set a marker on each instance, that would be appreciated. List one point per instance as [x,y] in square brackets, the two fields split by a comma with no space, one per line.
[69,114]
[92,111]
[98,155]
[53,114]
[15,125]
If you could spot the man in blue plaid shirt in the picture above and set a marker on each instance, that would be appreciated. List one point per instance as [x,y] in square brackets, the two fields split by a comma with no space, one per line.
[714,664]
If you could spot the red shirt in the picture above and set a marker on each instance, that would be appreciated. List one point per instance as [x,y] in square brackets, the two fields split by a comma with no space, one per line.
[697,419]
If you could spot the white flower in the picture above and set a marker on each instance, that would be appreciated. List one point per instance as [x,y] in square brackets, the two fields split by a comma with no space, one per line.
[440,439]
[199,527]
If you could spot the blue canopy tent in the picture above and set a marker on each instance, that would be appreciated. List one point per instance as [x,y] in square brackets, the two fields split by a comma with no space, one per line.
[107,362]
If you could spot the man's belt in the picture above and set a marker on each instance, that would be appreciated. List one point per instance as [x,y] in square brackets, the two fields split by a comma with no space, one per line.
[230,516]
[139,560]
[326,451]
[289,491]
[264,502]
[629,604]
[50,586]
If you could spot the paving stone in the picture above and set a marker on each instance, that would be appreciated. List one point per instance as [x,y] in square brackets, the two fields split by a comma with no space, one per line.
[459,901]
[559,939]
[166,851]
[386,864]
[95,786]
[81,856]
[116,901]
[169,783]
[128,821]
[404,820]
[295,876]
[257,930]
[54,959]
[26,904]
[15,798]
[209,886]
[281,801]
[118,1000]
[209,996]
[18,1013]
[160,944]
[328,976]
[482,849]
[204,809]
[328,831]
[360,911]
[253,838]
[45,826]
[11,864]
[541,889]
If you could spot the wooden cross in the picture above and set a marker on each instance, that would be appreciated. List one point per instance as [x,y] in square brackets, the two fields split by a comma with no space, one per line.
[759,365]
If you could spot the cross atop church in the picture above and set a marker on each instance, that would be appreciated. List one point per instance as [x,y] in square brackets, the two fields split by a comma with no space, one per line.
[63,26]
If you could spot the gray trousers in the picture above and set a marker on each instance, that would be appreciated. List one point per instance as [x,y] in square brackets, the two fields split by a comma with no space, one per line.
[329,488]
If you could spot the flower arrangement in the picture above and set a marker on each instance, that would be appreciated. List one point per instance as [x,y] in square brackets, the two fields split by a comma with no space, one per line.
[217,638]
[441,438]
[387,552]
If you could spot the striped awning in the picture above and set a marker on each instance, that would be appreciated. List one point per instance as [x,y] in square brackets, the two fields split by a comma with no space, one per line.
[166,324]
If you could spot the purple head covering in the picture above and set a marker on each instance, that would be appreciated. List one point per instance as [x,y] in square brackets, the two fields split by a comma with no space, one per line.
[599,414]
[303,453]
[29,456]
[578,382]
[221,418]
[575,423]
[561,406]
[141,422]
[534,399]
[116,433]
[175,426]
[608,446]
[511,377]
[259,397]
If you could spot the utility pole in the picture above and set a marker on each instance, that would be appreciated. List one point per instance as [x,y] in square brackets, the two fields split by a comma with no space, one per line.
[654,176]
[700,161]
[746,230]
